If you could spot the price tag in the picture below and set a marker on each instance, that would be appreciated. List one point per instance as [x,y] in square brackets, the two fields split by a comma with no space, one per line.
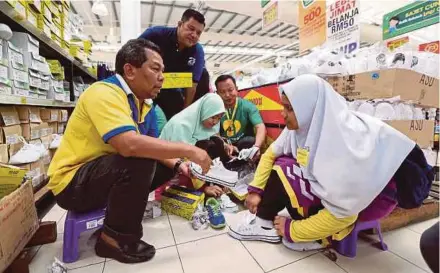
[21,10]
[270,15]
[177,80]
[23,100]
[302,156]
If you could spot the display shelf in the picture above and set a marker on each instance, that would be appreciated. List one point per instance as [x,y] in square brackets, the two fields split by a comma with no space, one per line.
[40,194]
[17,100]
[48,48]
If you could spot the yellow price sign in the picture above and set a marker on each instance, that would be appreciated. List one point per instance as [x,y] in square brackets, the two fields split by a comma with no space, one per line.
[23,100]
[177,80]
[270,15]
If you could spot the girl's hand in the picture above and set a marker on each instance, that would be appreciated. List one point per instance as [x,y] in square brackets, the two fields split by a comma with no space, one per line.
[215,191]
[279,224]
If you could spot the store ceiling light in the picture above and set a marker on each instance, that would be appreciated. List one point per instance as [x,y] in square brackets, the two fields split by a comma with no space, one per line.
[99,8]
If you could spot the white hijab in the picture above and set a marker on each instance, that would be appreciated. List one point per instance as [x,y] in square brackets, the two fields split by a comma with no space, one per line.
[352,156]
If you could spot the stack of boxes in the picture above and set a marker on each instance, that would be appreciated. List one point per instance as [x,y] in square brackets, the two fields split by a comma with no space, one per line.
[17,70]
[35,125]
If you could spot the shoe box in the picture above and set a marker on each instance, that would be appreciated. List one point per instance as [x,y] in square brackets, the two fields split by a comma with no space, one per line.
[181,201]
[420,131]
[9,125]
[36,171]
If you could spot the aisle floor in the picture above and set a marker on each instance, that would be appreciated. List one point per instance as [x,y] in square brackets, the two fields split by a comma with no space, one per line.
[182,249]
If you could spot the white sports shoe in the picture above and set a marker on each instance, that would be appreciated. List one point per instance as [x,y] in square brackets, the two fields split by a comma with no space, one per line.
[302,246]
[366,108]
[226,204]
[251,231]
[384,111]
[218,174]
[56,140]
[248,154]
[27,154]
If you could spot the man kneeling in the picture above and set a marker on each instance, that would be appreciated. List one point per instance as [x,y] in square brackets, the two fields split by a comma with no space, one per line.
[109,156]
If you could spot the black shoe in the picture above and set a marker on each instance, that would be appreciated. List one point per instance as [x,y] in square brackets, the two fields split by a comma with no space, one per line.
[134,253]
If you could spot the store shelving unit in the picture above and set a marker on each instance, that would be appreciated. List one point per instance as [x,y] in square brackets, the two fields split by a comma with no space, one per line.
[16,100]
[48,49]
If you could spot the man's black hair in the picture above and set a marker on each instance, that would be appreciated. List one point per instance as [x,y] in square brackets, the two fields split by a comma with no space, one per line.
[192,13]
[133,52]
[395,18]
[223,78]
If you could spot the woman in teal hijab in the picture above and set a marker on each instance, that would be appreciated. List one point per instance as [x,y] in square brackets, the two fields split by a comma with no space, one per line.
[199,121]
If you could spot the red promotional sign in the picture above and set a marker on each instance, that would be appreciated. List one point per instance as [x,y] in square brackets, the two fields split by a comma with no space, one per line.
[430,47]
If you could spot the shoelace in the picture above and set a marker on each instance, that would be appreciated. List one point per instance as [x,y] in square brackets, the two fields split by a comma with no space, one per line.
[214,210]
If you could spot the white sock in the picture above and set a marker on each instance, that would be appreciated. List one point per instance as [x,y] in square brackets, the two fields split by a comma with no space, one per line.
[263,223]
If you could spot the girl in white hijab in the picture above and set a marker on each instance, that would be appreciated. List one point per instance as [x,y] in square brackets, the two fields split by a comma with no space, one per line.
[326,167]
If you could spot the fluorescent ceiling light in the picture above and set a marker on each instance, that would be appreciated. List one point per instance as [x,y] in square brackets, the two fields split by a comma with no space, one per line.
[99,8]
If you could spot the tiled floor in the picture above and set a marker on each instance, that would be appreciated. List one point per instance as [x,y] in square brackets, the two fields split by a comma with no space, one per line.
[181,249]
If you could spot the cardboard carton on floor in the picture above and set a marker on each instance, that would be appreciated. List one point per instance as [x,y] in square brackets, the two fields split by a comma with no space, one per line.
[19,222]
[12,134]
[29,114]
[30,131]
[421,131]
[4,155]
[9,116]
[49,115]
[409,85]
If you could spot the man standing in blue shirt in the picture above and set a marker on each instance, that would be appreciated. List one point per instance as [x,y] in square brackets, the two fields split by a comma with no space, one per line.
[181,53]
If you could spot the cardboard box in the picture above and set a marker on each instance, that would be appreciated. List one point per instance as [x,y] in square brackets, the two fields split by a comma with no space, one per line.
[11,178]
[181,201]
[9,116]
[46,140]
[35,171]
[54,127]
[63,116]
[29,114]
[409,85]
[30,131]
[19,223]
[61,127]
[26,42]
[421,131]
[4,155]
[45,130]
[12,134]
[49,115]
[14,148]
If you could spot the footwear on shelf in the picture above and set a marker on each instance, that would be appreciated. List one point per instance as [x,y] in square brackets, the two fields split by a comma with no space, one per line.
[27,154]
[226,204]
[218,174]
[249,230]
[216,217]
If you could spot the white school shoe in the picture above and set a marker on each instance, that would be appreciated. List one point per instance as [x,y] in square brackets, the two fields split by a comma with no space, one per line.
[249,230]
[248,154]
[218,174]
[226,204]
[27,154]
[302,246]
[385,111]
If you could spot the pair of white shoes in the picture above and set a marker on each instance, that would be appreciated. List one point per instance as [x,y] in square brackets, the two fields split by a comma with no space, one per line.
[254,228]
[28,153]
[217,174]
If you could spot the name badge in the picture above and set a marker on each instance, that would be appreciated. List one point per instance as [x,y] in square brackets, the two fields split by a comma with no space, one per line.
[302,156]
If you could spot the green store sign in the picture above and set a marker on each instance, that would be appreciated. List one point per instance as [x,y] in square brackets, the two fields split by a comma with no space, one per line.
[264,3]
[411,17]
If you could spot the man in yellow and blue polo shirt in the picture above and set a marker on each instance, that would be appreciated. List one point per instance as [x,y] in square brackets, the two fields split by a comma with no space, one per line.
[110,157]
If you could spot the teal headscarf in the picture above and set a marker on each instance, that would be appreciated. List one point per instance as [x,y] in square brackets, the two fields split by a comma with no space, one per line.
[187,125]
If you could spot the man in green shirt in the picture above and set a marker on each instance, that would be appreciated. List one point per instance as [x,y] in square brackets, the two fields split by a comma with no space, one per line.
[242,124]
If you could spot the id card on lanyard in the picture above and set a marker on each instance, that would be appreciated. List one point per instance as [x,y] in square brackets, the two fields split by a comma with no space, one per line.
[229,124]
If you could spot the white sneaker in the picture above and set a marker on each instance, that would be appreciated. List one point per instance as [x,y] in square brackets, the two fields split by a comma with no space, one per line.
[226,204]
[366,108]
[248,154]
[302,246]
[56,140]
[200,218]
[27,154]
[384,111]
[218,174]
[251,231]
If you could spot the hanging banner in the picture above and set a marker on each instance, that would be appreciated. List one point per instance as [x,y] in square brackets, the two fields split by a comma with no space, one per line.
[411,17]
[312,19]
[343,30]
[430,47]
[270,15]
[397,43]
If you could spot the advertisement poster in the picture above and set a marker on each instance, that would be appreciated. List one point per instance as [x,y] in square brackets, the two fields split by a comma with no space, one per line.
[343,30]
[430,47]
[270,15]
[411,17]
[397,43]
[312,28]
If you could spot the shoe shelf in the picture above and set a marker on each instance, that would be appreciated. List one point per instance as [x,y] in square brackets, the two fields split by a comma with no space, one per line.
[48,48]
[19,100]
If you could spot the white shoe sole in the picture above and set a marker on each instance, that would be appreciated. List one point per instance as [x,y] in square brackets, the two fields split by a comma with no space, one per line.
[263,238]
[213,180]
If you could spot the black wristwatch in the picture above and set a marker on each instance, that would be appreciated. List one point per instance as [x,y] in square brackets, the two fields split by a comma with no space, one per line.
[177,165]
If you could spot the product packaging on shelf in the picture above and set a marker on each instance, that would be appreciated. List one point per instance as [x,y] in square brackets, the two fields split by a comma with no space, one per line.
[4,154]
[35,171]
[19,222]
[49,115]
[420,131]
[30,131]
[11,134]
[181,201]
[25,42]
[11,178]
[29,114]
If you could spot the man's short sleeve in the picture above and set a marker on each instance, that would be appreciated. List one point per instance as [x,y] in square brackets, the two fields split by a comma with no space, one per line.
[197,69]
[108,111]
[253,113]
[151,34]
